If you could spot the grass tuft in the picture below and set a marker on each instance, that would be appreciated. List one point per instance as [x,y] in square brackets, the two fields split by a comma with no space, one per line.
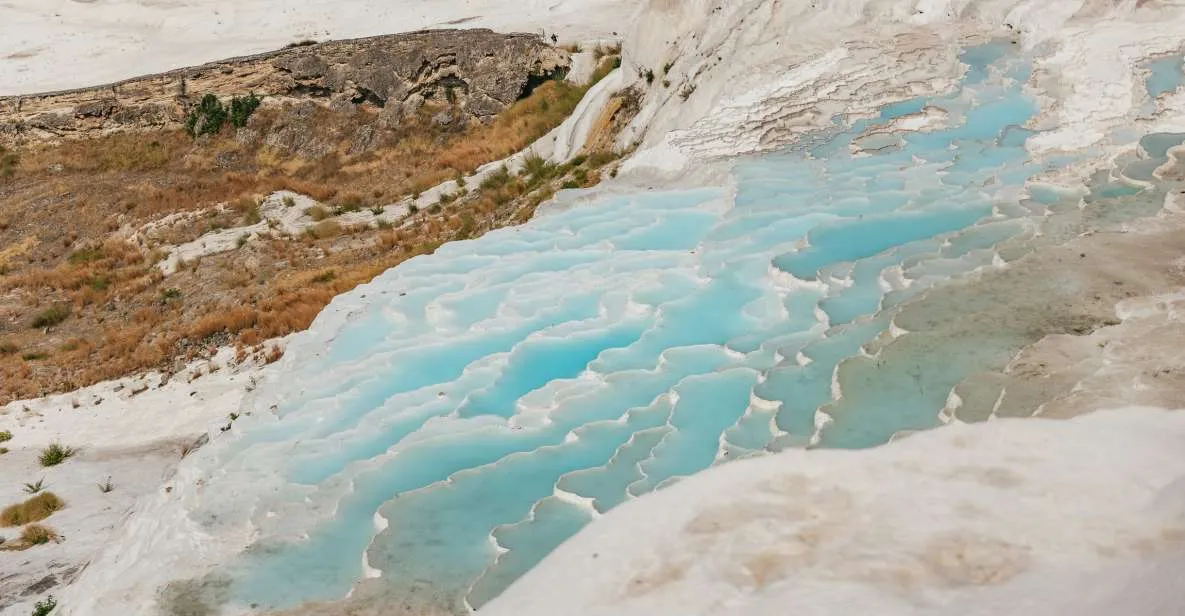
[37,534]
[55,454]
[34,509]
[51,316]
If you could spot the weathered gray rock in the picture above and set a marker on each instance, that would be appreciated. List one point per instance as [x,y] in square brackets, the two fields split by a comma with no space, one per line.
[476,73]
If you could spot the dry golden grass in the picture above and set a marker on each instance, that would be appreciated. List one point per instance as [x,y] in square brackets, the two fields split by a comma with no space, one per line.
[34,509]
[66,201]
[36,534]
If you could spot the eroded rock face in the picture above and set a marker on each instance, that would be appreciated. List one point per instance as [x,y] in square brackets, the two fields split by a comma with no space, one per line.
[477,73]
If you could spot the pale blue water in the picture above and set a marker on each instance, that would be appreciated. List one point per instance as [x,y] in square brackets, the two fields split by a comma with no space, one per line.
[1165,75]
[488,400]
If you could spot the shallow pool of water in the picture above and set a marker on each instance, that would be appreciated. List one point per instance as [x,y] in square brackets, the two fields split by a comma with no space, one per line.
[453,422]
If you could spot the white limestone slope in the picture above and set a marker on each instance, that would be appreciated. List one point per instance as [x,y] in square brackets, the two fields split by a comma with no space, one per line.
[130,432]
[748,76]
[1078,517]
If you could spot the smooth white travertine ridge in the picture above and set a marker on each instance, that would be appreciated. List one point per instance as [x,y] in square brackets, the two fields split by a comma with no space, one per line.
[1074,517]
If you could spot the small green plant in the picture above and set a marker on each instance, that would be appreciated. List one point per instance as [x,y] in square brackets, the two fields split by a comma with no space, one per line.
[33,488]
[242,240]
[666,68]
[170,294]
[5,436]
[207,118]
[324,277]
[413,209]
[106,487]
[55,454]
[538,170]
[377,210]
[35,356]
[289,201]
[241,109]
[99,283]
[51,316]
[8,348]
[497,179]
[45,606]
[648,75]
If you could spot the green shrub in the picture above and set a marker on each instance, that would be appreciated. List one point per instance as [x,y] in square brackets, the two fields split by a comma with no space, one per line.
[33,488]
[43,608]
[289,201]
[241,108]
[5,436]
[51,316]
[8,348]
[55,454]
[207,118]
[35,356]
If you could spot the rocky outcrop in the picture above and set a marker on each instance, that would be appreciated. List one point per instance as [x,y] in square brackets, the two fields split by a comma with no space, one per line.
[476,73]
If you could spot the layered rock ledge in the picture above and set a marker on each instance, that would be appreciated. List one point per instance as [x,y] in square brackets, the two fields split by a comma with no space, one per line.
[480,72]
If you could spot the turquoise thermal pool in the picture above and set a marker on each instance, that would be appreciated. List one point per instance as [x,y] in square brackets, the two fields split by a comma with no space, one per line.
[442,429]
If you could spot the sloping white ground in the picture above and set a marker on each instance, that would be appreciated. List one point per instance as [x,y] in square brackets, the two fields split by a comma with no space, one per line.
[62,44]
[747,76]
[1040,517]
[128,431]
